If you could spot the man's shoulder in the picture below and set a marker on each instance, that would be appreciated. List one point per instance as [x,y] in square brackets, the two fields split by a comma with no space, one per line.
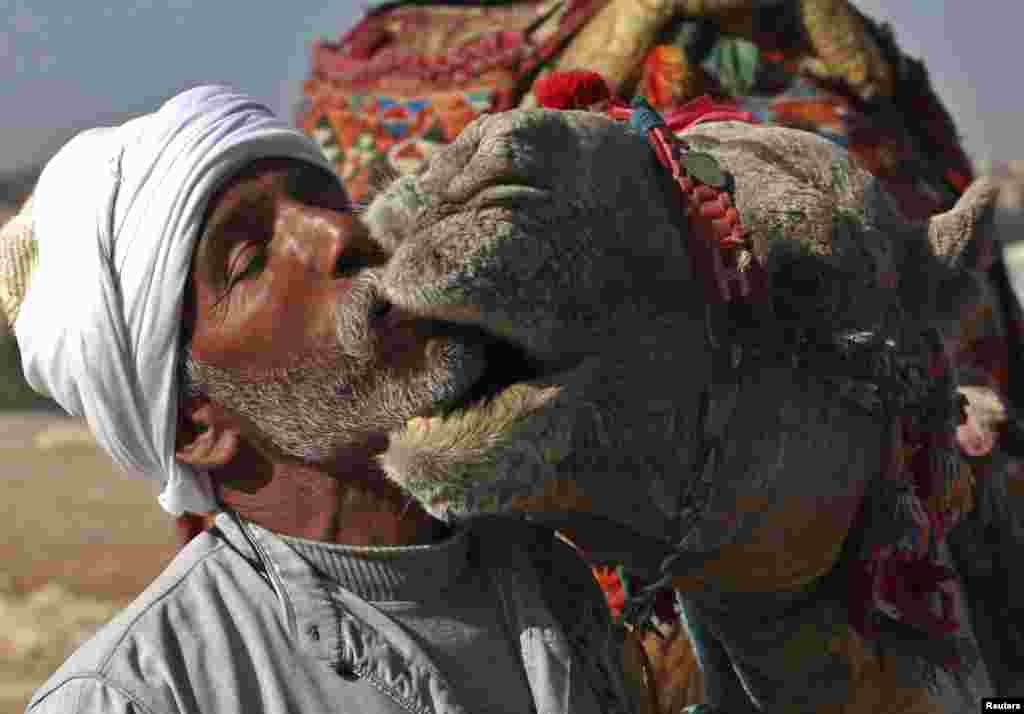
[182,599]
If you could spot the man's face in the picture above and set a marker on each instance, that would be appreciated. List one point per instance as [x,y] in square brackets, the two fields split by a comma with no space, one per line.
[290,332]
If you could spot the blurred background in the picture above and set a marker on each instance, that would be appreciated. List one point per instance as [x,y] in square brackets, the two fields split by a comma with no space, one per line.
[73,553]
[67,66]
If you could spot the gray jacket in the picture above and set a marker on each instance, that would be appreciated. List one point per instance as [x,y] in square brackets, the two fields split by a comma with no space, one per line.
[239,622]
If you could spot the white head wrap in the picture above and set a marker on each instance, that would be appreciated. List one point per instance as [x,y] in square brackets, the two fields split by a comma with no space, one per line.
[116,215]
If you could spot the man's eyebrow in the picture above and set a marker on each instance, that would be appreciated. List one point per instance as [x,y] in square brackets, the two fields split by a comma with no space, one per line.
[245,205]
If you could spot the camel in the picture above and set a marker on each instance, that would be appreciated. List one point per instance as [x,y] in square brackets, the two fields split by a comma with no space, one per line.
[741,452]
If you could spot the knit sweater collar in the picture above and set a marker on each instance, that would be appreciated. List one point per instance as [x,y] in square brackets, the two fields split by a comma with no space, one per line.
[391,573]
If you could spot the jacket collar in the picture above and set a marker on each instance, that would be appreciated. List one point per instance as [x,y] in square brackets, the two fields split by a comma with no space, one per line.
[359,641]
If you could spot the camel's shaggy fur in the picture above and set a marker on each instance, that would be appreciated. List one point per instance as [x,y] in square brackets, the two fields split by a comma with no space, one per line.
[554,230]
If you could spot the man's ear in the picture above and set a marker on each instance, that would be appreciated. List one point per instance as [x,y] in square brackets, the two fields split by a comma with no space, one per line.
[208,436]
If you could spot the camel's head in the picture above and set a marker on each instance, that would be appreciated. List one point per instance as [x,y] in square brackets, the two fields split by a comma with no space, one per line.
[554,236]
[541,228]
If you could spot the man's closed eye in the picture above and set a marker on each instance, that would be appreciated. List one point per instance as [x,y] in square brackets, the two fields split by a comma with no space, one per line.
[253,265]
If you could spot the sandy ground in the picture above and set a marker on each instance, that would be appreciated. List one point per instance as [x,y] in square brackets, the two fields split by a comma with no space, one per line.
[78,541]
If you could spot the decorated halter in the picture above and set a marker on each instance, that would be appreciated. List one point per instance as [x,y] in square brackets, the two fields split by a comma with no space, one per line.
[719,246]
[898,584]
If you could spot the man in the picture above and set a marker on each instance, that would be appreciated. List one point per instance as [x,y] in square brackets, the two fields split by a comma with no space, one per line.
[211,229]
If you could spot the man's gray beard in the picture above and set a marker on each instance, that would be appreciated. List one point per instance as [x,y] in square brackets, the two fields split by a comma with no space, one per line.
[323,404]
[332,399]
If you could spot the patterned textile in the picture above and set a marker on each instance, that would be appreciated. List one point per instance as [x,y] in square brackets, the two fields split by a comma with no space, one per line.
[907,140]
[410,76]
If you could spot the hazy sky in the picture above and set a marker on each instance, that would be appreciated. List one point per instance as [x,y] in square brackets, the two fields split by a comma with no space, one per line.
[65,63]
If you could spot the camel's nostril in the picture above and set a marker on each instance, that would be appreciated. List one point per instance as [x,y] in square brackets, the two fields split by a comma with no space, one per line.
[380,309]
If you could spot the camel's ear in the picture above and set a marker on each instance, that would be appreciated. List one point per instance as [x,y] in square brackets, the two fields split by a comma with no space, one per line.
[208,435]
[941,284]
[964,234]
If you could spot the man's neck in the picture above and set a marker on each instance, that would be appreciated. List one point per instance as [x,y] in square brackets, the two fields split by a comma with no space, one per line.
[353,505]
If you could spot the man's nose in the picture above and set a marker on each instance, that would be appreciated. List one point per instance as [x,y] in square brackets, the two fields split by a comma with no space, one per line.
[312,237]
[385,315]
[331,243]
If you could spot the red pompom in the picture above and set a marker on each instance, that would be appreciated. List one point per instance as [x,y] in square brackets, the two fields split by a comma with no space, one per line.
[578,89]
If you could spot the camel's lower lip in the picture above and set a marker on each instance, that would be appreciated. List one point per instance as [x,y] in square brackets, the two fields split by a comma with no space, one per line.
[505,364]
